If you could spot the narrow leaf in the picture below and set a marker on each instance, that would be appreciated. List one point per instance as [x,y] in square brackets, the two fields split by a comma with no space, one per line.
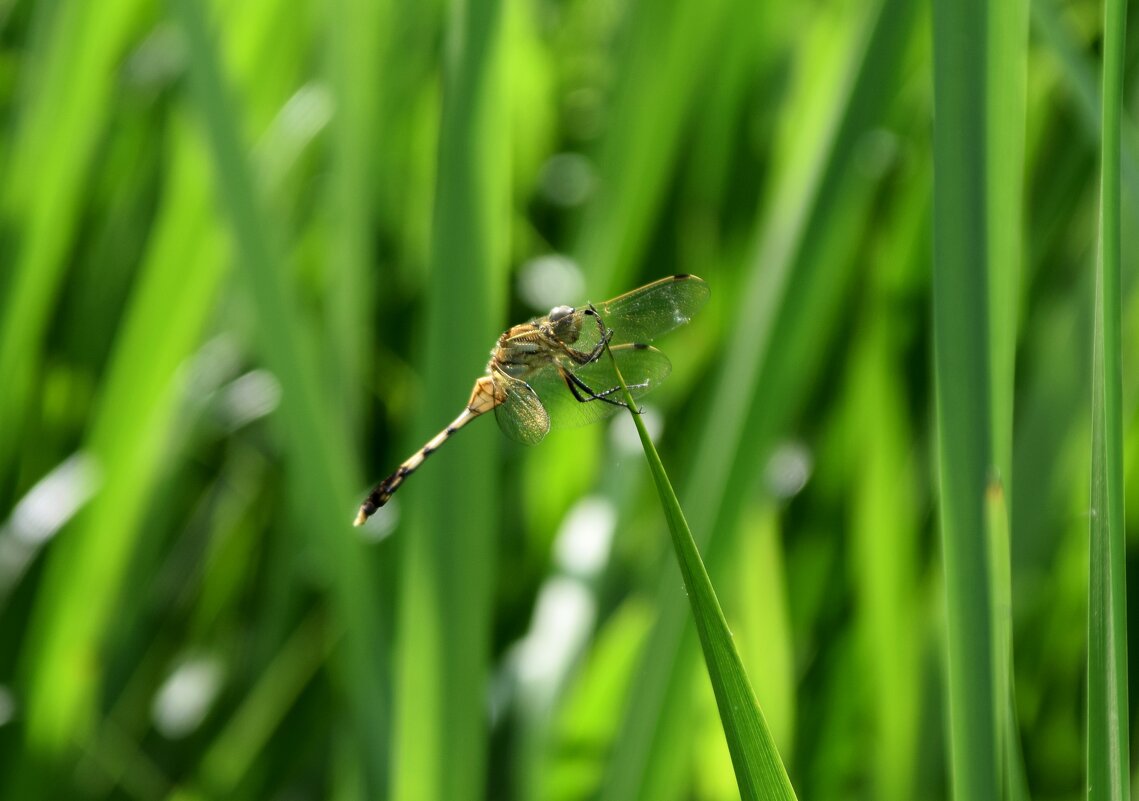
[1108,748]
[759,770]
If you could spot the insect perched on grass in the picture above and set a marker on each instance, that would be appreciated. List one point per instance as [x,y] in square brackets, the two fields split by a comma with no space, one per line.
[551,371]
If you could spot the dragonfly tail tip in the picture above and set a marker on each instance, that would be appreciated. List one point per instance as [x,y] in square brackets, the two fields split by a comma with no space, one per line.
[361,518]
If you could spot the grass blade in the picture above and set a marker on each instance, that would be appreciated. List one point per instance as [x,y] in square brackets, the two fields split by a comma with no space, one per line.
[978,152]
[759,770]
[161,328]
[1010,762]
[786,303]
[1005,115]
[67,98]
[353,47]
[884,532]
[649,112]
[318,450]
[1080,78]
[445,604]
[1108,749]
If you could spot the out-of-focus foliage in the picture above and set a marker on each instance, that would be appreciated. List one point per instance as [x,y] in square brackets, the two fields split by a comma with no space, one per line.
[245,273]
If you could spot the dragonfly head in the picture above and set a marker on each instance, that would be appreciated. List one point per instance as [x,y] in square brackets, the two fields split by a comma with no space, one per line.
[565,324]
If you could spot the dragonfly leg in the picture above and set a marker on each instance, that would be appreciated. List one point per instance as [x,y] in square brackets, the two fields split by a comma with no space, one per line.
[577,387]
[581,357]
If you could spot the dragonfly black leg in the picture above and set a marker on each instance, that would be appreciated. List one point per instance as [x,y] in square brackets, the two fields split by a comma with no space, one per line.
[599,348]
[577,387]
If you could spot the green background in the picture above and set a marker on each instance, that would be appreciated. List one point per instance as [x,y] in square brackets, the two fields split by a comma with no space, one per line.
[254,254]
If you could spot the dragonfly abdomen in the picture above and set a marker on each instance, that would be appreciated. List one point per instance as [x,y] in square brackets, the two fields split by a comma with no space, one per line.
[386,488]
[484,398]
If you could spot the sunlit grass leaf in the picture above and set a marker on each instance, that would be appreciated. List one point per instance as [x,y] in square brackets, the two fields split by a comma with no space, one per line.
[1109,774]
[445,601]
[760,773]
[318,495]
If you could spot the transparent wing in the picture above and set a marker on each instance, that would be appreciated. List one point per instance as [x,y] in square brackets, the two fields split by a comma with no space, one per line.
[654,309]
[521,416]
[643,367]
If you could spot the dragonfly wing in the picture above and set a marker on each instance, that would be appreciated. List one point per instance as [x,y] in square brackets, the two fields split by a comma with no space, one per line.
[521,416]
[643,368]
[653,310]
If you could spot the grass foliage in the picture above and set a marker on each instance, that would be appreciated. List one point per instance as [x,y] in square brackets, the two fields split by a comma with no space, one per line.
[252,255]
[760,773]
[1108,751]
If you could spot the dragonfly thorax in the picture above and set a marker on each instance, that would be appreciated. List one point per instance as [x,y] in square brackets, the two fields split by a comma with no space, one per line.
[539,343]
[522,348]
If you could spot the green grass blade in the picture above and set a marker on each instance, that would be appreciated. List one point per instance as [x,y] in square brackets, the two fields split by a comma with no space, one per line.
[884,532]
[234,749]
[1080,73]
[1010,762]
[130,428]
[353,50]
[649,111]
[319,456]
[445,602]
[1108,749]
[973,354]
[67,98]
[786,304]
[1005,79]
[759,770]
[1005,115]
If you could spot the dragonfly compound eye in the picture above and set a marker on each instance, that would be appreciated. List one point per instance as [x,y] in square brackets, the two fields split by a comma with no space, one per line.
[564,324]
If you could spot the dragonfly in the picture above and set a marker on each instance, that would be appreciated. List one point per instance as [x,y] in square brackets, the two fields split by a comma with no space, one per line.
[552,370]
